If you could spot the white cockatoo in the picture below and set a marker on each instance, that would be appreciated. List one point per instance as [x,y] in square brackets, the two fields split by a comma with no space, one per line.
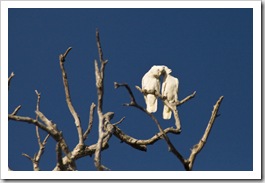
[150,82]
[169,91]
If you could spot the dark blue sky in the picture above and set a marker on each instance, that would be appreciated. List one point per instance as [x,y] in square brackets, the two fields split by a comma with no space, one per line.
[209,50]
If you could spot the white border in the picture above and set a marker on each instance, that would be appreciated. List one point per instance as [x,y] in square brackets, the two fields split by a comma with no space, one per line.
[255,174]
[129,4]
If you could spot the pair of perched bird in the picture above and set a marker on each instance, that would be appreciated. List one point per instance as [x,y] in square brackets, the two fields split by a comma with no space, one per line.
[151,82]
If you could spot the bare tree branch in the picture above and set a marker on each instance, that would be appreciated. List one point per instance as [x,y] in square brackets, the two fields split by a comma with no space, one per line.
[38,102]
[59,157]
[138,143]
[68,98]
[38,136]
[37,117]
[99,81]
[57,135]
[198,147]
[99,73]
[28,120]
[50,125]
[100,52]
[37,156]
[90,123]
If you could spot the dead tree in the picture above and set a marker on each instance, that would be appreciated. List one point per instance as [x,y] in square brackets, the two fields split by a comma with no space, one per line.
[106,127]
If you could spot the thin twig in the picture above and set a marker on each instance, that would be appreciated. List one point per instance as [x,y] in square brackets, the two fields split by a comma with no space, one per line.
[38,101]
[9,79]
[186,99]
[121,120]
[45,139]
[27,156]
[132,98]
[90,123]
[68,98]
[63,56]
[38,136]
[16,110]
[100,52]
[198,147]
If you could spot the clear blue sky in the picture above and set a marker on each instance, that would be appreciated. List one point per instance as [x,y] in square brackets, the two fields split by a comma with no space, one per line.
[209,51]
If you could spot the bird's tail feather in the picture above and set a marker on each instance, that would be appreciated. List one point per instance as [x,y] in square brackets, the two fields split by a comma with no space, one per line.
[151,103]
[167,112]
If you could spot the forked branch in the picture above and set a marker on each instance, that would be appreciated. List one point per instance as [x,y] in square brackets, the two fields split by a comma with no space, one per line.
[68,97]
[37,156]
[198,147]
[163,134]
[99,73]
[90,122]
[35,160]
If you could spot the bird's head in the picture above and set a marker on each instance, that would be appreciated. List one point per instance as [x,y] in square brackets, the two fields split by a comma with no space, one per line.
[166,70]
[157,70]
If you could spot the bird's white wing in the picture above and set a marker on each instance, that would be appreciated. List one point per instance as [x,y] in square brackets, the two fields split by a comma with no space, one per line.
[163,92]
[170,91]
[145,80]
[176,89]
[150,82]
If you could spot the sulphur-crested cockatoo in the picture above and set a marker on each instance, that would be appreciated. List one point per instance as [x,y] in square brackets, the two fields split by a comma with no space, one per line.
[150,82]
[169,91]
